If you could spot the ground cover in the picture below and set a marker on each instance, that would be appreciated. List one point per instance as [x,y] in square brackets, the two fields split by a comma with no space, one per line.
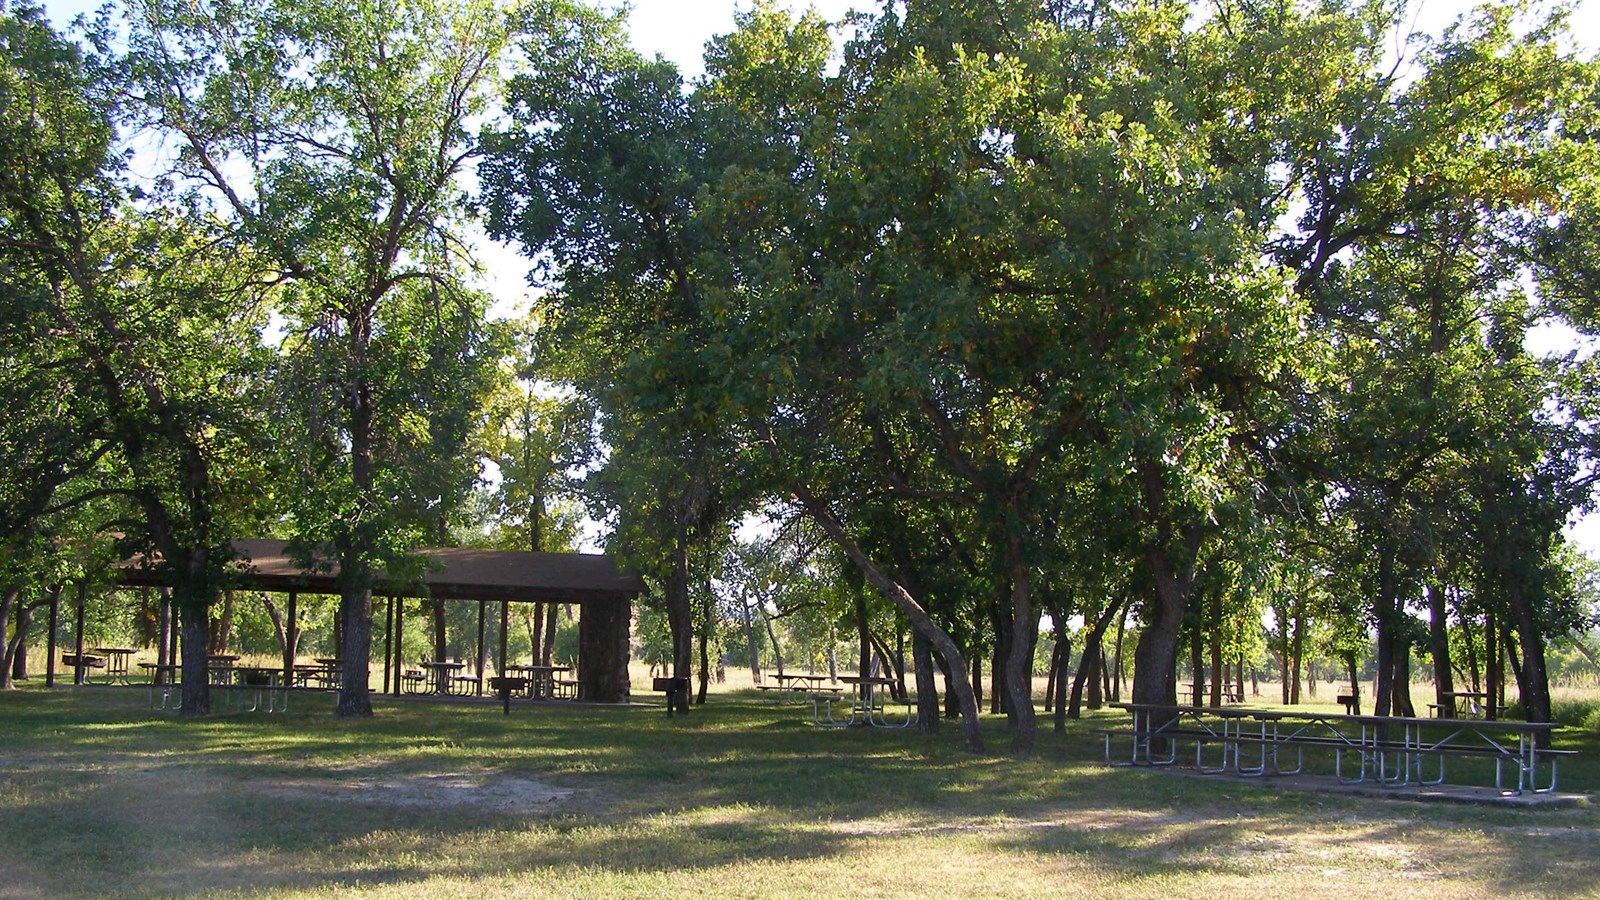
[743,798]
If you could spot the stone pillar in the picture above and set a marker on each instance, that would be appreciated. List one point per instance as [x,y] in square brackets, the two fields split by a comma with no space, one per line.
[603,651]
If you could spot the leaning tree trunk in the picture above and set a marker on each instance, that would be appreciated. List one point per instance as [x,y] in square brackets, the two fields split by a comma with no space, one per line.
[921,623]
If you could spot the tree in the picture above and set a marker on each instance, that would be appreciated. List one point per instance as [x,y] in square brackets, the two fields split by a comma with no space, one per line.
[331,136]
[1418,197]
[153,321]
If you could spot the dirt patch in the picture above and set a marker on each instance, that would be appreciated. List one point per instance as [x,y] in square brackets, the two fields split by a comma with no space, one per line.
[482,790]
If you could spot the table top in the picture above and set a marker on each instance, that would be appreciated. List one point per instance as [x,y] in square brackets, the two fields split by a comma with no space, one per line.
[865,679]
[328,660]
[222,657]
[444,665]
[510,668]
[109,651]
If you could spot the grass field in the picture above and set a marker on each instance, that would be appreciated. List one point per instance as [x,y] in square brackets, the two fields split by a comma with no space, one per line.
[743,798]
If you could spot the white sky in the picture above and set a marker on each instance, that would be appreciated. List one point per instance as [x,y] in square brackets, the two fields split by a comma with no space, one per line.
[679,29]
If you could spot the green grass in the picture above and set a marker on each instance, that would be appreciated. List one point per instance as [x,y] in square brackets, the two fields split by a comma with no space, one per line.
[101,796]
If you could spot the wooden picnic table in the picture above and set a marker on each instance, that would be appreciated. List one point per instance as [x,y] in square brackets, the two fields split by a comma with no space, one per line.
[1389,750]
[790,681]
[116,658]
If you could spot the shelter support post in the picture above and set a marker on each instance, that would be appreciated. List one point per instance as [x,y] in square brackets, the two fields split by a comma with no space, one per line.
[505,626]
[291,637]
[480,651]
[399,641]
[388,646]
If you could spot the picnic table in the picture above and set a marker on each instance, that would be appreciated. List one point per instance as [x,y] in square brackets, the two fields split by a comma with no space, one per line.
[1392,751]
[1467,705]
[442,675]
[867,706]
[116,658]
[257,689]
[331,672]
[785,684]
[220,665]
[1230,693]
[542,682]
[82,664]
[165,684]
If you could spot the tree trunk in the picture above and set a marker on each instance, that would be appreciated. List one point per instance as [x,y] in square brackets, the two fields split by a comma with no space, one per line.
[752,644]
[1355,681]
[165,639]
[1297,651]
[223,636]
[1472,653]
[1050,677]
[194,622]
[1024,627]
[1439,640]
[1196,667]
[355,612]
[441,645]
[1122,628]
[552,618]
[1063,644]
[1402,682]
[927,689]
[1155,657]
[1218,677]
[1283,615]
[863,636]
[777,651]
[8,643]
[679,613]
[1534,684]
[1384,609]
[1494,665]
[1086,666]
[19,652]
[705,666]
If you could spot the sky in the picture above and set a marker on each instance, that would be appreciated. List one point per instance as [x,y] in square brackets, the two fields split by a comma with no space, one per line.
[679,29]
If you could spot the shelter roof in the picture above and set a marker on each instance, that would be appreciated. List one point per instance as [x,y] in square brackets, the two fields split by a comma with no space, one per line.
[453,573]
